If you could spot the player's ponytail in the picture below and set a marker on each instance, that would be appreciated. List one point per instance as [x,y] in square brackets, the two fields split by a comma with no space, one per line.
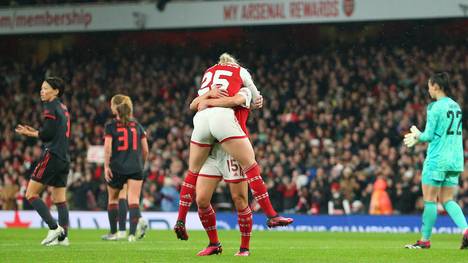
[226,58]
[124,107]
[442,80]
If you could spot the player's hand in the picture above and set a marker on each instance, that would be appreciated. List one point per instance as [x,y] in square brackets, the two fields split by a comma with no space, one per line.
[108,174]
[411,139]
[29,128]
[203,105]
[414,130]
[216,92]
[258,103]
[25,130]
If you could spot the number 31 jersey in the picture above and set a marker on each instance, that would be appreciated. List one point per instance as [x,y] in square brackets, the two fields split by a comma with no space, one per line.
[126,157]
[444,133]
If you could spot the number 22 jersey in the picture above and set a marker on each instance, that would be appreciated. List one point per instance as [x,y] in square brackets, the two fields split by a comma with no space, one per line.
[443,132]
[126,157]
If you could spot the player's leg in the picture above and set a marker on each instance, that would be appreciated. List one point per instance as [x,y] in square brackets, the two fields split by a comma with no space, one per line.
[32,194]
[122,213]
[134,191]
[112,211]
[239,194]
[429,216]
[198,155]
[59,183]
[204,191]
[431,190]
[455,212]
[200,146]
[41,176]
[60,200]
[242,151]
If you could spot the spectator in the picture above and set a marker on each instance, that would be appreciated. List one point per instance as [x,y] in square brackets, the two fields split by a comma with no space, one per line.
[170,196]
[380,201]
[337,204]
[8,194]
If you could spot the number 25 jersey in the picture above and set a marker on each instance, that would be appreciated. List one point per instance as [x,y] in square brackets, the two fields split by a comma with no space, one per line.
[126,157]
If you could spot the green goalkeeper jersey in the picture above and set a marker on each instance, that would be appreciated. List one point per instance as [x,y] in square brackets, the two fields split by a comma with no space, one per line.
[443,132]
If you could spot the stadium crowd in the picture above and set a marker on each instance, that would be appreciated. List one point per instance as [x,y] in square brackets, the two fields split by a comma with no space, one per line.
[328,138]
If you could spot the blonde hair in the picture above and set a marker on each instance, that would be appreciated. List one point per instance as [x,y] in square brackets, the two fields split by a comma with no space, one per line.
[226,58]
[124,106]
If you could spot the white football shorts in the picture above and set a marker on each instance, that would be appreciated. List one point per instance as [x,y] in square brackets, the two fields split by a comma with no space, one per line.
[215,124]
[221,165]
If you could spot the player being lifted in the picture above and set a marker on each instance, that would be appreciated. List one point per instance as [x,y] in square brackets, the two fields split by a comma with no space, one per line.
[52,170]
[444,161]
[222,124]
[220,165]
[125,152]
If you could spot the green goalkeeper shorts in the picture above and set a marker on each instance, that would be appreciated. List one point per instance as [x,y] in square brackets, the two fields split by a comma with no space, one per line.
[440,179]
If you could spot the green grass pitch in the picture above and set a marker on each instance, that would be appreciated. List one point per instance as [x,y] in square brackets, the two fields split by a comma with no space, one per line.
[23,245]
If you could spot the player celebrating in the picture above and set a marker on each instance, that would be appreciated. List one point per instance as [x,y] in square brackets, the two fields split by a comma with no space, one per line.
[125,151]
[444,160]
[221,124]
[220,165]
[53,168]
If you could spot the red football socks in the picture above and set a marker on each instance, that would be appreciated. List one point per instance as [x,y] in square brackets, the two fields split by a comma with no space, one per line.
[208,220]
[187,195]
[244,218]
[259,190]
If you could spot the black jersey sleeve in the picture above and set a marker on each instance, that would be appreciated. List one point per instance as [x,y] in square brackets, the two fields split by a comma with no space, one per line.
[49,112]
[142,131]
[108,130]
[48,130]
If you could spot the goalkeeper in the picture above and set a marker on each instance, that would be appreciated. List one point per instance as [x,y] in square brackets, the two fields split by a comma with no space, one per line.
[444,160]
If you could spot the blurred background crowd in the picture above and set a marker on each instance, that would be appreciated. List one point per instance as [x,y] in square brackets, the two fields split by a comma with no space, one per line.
[328,139]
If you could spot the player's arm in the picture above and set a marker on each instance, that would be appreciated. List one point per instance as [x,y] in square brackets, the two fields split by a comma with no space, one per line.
[214,92]
[50,127]
[248,83]
[47,131]
[416,135]
[194,103]
[107,153]
[257,99]
[431,125]
[144,148]
[242,98]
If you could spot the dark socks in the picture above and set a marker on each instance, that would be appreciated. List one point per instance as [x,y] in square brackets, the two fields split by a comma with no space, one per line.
[43,211]
[122,214]
[135,215]
[62,210]
[112,213]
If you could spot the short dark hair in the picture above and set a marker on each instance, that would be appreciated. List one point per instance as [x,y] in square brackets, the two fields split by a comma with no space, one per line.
[442,79]
[56,83]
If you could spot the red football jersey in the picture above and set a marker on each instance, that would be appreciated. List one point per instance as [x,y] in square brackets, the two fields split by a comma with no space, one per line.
[226,76]
[242,114]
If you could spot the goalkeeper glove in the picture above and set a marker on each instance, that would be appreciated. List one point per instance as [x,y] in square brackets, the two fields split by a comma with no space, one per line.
[412,138]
